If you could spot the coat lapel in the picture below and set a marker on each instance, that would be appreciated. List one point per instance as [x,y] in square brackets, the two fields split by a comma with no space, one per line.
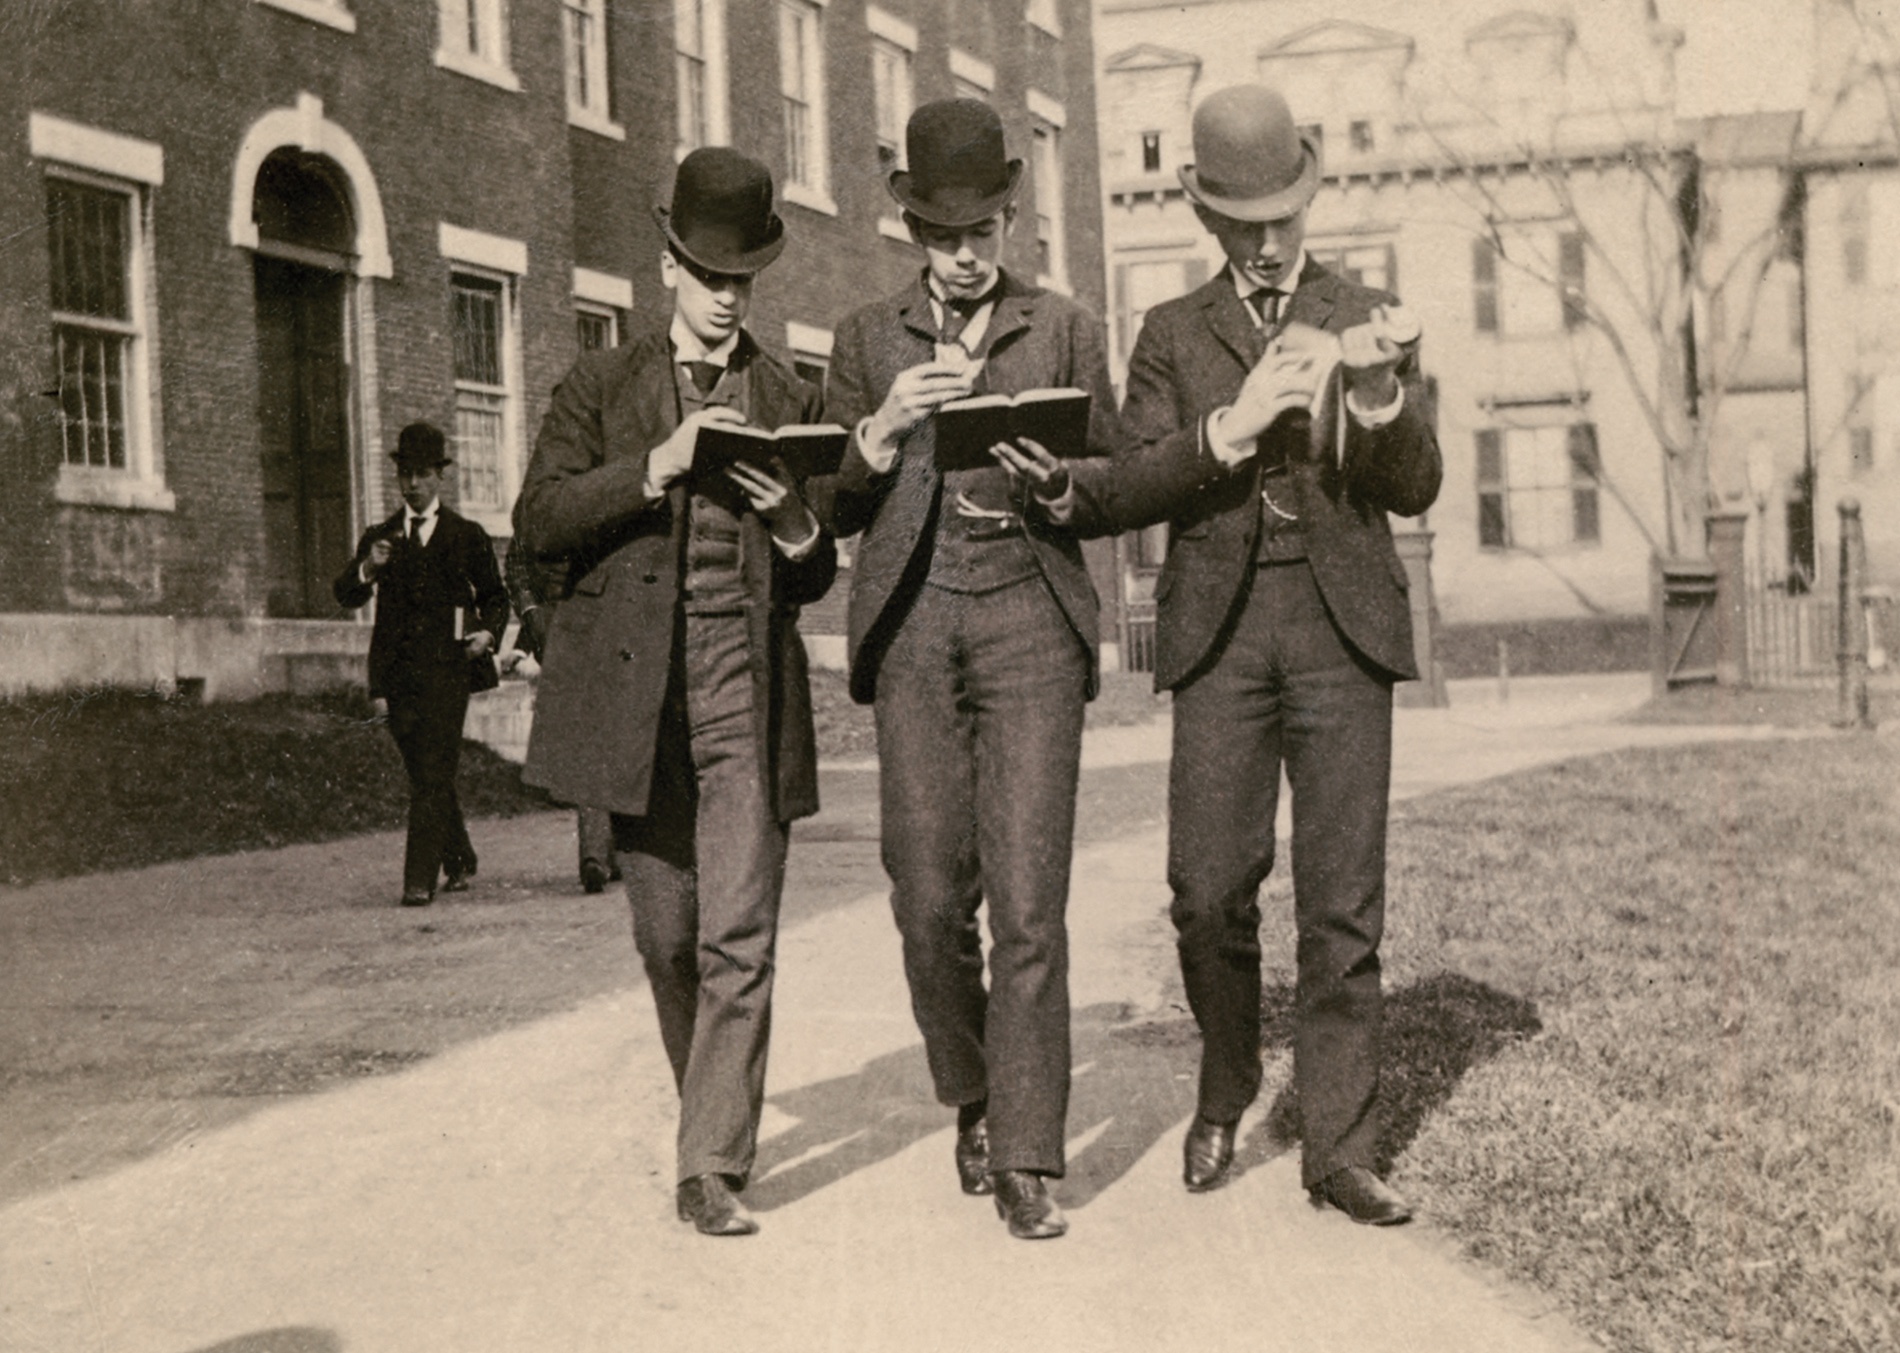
[1313,299]
[1228,319]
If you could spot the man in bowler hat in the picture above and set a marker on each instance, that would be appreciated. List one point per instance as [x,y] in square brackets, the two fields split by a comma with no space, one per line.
[1282,624]
[972,633]
[674,691]
[440,608]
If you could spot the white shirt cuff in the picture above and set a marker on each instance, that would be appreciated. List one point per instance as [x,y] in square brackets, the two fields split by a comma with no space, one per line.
[879,458]
[1058,510]
[1373,419]
[803,549]
[1227,453]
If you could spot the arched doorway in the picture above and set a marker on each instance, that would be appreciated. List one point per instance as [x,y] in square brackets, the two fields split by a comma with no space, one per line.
[303,261]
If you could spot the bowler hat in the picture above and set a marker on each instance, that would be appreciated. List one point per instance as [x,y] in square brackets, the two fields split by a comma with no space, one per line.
[722,217]
[421,446]
[959,173]
[1250,162]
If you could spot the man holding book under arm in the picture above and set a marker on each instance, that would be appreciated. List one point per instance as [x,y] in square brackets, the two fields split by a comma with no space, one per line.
[972,632]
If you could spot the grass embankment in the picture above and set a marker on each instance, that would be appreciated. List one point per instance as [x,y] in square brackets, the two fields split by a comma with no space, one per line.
[118,779]
[1662,985]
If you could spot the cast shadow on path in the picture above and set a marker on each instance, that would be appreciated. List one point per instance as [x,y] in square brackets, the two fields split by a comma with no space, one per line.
[1134,1083]
[286,1339]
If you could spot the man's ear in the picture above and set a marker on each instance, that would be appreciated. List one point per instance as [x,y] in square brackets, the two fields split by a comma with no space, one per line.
[669,270]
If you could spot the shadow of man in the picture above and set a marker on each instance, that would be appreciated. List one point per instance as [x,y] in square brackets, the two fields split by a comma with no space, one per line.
[286,1339]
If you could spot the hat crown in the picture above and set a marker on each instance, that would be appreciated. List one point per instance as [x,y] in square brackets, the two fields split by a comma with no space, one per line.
[1246,144]
[421,446]
[959,169]
[722,213]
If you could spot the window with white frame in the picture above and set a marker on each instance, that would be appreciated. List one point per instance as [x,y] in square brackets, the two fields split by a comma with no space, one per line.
[601,301]
[1142,284]
[584,31]
[485,339]
[1045,129]
[474,40]
[810,347]
[801,65]
[971,77]
[1366,265]
[596,326]
[699,70]
[1528,280]
[98,228]
[893,44]
[1046,15]
[1538,487]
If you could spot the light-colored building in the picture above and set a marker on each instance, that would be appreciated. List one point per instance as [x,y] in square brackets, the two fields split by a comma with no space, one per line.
[1618,328]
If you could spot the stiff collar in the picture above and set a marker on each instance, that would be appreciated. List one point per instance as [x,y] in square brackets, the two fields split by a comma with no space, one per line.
[687,346]
[1245,286]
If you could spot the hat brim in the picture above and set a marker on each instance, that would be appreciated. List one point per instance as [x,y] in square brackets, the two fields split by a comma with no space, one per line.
[958,210]
[742,263]
[419,462]
[1271,207]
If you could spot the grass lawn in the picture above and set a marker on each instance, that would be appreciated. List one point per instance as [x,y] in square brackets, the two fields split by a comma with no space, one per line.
[119,779]
[1665,981]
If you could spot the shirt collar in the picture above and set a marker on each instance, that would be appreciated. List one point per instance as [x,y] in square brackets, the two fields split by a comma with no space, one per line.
[1245,286]
[427,514]
[687,346]
[938,299]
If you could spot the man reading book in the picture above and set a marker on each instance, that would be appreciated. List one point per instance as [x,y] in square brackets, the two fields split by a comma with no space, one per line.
[972,633]
[674,690]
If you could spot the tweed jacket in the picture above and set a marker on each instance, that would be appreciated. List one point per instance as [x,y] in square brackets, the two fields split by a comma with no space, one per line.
[610,649]
[412,646]
[1035,339]
[1190,359]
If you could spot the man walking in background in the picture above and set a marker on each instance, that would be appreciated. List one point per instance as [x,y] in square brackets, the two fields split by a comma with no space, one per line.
[1282,624]
[440,609]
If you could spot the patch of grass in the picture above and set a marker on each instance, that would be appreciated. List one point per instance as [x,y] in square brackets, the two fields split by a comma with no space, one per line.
[1699,1148]
[119,779]
[847,731]
[1793,707]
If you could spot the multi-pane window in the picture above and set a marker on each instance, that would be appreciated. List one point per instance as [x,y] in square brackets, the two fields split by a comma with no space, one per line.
[597,326]
[801,87]
[1368,265]
[893,96]
[1360,137]
[586,44]
[89,230]
[481,341]
[1538,487]
[474,34]
[1046,165]
[1139,287]
[691,69]
[1151,152]
[1533,285]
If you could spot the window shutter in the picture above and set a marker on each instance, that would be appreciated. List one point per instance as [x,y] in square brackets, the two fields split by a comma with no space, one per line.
[1490,457]
[1584,464]
[1484,286]
[1570,265]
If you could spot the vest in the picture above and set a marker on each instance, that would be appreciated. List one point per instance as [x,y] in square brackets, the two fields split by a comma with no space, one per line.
[714,583]
[975,554]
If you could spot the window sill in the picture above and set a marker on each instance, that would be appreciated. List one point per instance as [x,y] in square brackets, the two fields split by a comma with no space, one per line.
[329,13]
[809,198]
[81,487]
[589,121]
[477,69]
[891,228]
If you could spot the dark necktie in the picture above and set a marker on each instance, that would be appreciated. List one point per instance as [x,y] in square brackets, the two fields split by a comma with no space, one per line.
[705,375]
[1265,305]
[958,311]
[415,529]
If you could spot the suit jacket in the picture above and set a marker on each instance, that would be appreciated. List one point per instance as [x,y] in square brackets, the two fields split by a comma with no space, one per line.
[610,648]
[1190,359]
[1035,339]
[413,645]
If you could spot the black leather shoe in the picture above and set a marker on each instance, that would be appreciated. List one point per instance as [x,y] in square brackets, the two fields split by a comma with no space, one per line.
[973,1159]
[413,898]
[707,1201]
[1207,1154]
[593,876]
[457,880]
[1363,1196]
[1023,1200]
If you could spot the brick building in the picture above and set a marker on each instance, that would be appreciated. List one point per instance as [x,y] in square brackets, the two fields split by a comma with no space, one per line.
[249,239]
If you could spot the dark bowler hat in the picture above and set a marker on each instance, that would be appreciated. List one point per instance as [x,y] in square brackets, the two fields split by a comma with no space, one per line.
[959,173]
[722,217]
[421,446]
[1250,162]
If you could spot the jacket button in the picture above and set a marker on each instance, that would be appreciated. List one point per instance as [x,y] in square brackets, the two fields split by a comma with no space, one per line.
[626,655]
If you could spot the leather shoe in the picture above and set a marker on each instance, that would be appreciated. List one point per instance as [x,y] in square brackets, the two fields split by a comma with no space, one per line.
[1363,1196]
[707,1201]
[413,898]
[973,1159]
[1023,1200]
[457,880]
[1207,1154]
[593,876]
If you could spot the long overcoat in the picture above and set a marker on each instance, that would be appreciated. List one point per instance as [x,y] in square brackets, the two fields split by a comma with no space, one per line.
[1190,359]
[610,650]
[1036,339]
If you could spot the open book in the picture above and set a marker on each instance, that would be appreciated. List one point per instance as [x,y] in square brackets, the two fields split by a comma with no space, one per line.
[1056,419]
[806,448]
[1307,356]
